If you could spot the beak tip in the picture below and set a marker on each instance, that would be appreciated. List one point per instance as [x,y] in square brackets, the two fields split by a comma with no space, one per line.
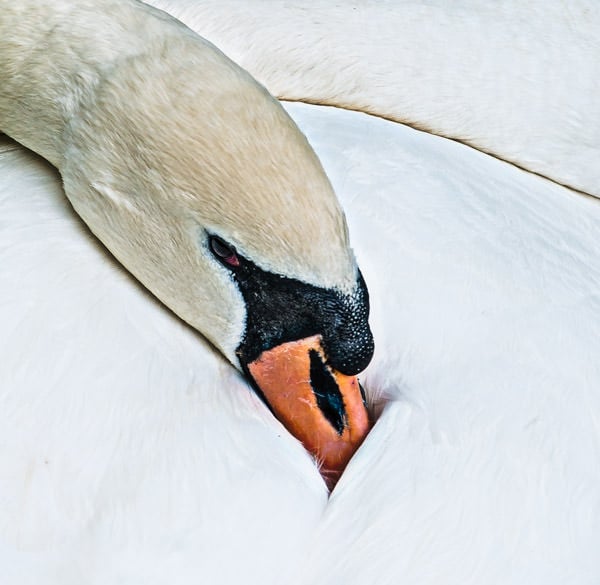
[331,478]
[336,457]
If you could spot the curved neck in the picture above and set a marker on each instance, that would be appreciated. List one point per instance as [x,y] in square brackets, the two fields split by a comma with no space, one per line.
[50,68]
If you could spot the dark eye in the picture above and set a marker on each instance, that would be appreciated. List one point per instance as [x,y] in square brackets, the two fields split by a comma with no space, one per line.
[223,251]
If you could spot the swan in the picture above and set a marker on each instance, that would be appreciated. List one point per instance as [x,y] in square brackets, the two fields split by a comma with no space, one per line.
[480,468]
[195,178]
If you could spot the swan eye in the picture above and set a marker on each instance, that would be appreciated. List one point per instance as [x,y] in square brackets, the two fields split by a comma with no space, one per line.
[223,251]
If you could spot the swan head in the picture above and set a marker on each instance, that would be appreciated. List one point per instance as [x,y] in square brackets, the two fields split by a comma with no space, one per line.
[200,184]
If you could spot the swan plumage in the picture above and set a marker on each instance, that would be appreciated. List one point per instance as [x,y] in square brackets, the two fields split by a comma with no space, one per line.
[194,177]
[481,467]
[516,80]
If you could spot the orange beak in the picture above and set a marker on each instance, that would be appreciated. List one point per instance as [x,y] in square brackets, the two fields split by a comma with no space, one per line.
[322,408]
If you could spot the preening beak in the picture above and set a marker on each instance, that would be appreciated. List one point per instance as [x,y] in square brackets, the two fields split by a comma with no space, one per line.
[303,346]
[321,407]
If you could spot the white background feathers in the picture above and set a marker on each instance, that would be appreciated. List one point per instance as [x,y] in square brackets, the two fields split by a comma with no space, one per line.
[130,452]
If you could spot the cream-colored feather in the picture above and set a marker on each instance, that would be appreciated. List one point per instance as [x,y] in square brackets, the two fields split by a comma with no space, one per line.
[160,140]
[131,454]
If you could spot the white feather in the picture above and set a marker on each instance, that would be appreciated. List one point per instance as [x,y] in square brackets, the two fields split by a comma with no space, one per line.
[516,79]
[132,453]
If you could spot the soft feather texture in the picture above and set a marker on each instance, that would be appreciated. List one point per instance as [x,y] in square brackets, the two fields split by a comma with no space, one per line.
[132,453]
[516,79]
[119,424]
[160,141]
